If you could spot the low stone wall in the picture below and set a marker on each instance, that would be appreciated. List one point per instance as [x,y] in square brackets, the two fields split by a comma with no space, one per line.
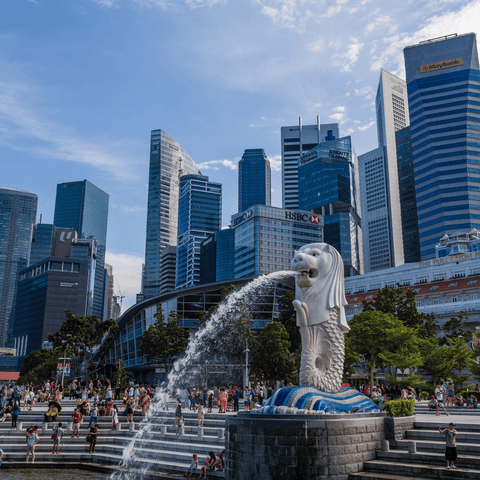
[290,447]
[395,427]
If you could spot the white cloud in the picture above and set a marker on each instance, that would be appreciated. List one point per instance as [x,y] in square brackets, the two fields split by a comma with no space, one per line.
[127,272]
[212,165]
[316,46]
[366,92]
[275,163]
[348,131]
[337,117]
[381,21]
[367,126]
[463,20]
[316,106]
[332,10]
[338,109]
[352,53]
[20,122]
[164,4]
[133,208]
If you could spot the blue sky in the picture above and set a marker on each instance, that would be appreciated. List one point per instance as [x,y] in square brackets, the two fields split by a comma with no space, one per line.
[84,82]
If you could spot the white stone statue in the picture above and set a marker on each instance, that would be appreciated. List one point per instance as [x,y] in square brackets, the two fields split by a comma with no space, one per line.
[319,303]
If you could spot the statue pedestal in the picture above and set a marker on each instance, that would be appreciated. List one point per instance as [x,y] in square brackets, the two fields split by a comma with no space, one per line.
[274,447]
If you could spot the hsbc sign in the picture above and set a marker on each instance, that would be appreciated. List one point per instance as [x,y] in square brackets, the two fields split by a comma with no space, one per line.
[241,218]
[302,217]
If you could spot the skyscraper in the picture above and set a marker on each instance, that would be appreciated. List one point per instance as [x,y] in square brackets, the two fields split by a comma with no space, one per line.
[18,211]
[408,200]
[391,105]
[84,207]
[376,225]
[296,140]
[254,184]
[329,185]
[199,215]
[443,82]
[167,161]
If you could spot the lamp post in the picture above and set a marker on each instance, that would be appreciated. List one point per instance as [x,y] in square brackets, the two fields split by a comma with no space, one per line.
[246,367]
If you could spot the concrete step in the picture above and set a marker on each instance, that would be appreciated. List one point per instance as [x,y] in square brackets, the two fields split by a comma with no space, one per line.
[380,476]
[439,446]
[464,426]
[435,436]
[428,458]
[419,471]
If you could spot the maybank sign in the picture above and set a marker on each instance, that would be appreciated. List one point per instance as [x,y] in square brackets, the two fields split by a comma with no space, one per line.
[431,67]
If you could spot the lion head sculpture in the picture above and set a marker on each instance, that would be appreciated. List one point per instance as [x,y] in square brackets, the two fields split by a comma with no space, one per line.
[320,283]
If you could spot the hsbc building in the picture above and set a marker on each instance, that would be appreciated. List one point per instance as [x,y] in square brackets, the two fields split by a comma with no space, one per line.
[267,237]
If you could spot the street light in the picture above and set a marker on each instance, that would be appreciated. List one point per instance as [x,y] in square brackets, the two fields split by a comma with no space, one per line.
[246,367]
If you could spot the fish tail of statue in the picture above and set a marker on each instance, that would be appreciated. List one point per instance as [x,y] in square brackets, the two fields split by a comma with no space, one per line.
[323,352]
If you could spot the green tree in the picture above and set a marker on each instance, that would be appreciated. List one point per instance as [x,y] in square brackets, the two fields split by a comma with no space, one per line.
[79,336]
[40,365]
[404,351]
[270,353]
[437,361]
[457,327]
[120,373]
[369,338]
[351,358]
[474,362]
[461,354]
[393,300]
[288,318]
[164,341]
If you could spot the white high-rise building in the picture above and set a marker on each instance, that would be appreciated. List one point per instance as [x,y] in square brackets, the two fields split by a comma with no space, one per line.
[375,211]
[296,140]
[379,178]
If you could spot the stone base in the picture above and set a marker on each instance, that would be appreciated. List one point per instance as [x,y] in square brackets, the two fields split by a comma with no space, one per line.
[290,447]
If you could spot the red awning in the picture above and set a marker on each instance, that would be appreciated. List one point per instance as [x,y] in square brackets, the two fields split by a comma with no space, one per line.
[9,376]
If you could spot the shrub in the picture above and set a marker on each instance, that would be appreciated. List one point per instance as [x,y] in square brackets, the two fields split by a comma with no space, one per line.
[424,394]
[466,394]
[400,408]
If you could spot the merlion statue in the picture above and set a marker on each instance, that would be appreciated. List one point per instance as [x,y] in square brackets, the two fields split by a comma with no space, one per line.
[320,300]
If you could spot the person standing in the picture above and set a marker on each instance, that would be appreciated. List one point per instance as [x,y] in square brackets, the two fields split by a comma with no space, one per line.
[451,444]
[93,415]
[178,416]
[31,442]
[439,396]
[236,395]
[77,418]
[1,457]
[57,436]
[15,413]
[93,434]
[201,414]
[114,417]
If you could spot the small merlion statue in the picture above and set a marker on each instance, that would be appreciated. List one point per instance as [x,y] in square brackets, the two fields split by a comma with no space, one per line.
[319,303]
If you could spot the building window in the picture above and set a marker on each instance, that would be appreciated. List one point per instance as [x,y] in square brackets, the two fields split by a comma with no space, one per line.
[471,282]
[440,277]
[435,287]
[458,275]
[360,290]
[474,296]
[423,280]
[454,299]
[405,283]
[436,302]
[452,285]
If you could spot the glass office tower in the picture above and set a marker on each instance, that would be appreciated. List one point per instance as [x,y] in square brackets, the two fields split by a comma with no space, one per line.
[254,183]
[18,211]
[328,183]
[295,141]
[199,215]
[266,238]
[168,160]
[83,207]
[443,82]
[408,201]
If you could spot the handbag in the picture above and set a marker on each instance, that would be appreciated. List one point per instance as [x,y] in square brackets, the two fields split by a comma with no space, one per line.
[89,438]
[55,435]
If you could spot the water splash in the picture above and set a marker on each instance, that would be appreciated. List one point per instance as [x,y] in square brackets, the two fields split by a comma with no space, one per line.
[210,338]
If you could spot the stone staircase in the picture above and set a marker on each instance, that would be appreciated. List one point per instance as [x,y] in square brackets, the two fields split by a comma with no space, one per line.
[422,409]
[421,455]
[161,450]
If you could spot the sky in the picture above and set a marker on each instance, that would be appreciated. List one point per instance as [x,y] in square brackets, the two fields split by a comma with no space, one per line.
[83,82]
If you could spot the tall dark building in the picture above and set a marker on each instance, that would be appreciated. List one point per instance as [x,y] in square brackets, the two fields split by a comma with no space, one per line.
[62,281]
[328,181]
[83,207]
[18,211]
[42,242]
[408,201]
[199,215]
[443,81]
[217,257]
[168,160]
[254,179]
